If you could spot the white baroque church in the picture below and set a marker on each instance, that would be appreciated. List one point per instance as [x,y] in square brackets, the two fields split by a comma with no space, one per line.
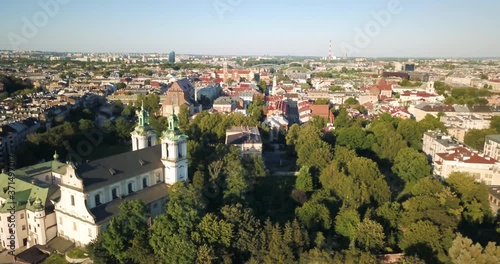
[76,201]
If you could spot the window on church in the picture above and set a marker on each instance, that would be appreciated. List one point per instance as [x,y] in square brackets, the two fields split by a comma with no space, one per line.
[46,178]
[137,143]
[74,227]
[114,193]
[60,220]
[130,188]
[158,177]
[144,182]
[22,216]
[90,232]
[97,199]
[149,142]
[73,200]
[181,175]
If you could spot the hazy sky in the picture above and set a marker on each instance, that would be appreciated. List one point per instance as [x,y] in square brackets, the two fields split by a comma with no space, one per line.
[425,28]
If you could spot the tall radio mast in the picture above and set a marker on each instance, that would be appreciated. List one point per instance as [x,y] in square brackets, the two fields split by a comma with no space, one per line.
[330,51]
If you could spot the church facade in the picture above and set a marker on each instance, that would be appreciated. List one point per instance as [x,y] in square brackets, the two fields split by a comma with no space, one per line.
[180,93]
[77,200]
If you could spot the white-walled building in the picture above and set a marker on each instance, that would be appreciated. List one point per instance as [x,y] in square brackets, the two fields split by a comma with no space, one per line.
[76,201]
[247,139]
[492,146]
[462,159]
[448,156]
[435,142]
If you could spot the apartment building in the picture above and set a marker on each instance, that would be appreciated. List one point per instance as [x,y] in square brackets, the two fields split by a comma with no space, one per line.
[458,125]
[448,155]
[492,146]
[464,159]
[13,136]
[437,142]
[224,104]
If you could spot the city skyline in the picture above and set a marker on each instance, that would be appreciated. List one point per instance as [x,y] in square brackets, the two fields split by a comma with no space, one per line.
[393,28]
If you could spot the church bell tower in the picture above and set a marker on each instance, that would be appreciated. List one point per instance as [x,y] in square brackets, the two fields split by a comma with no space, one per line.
[174,152]
[143,135]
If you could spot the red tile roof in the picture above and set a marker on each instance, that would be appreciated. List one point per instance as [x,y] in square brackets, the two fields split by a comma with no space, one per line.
[274,98]
[419,94]
[322,111]
[383,85]
[465,155]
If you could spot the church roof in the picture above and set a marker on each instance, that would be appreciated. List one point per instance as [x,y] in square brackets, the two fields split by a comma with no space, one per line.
[242,135]
[33,196]
[103,172]
[106,211]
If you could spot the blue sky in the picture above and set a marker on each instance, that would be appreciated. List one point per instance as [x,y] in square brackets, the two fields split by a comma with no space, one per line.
[425,28]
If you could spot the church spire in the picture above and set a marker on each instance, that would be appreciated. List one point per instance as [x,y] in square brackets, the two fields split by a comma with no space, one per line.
[143,135]
[143,116]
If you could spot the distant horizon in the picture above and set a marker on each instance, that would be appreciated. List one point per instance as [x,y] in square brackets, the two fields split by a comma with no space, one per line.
[373,29]
[234,55]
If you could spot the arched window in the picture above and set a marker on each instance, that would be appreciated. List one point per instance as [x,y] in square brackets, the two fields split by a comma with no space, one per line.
[114,193]
[181,173]
[97,200]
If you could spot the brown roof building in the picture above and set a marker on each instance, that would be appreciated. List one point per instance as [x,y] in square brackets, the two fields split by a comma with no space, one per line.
[322,111]
[180,93]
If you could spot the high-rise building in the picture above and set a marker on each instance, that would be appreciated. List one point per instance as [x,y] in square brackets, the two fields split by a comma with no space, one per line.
[409,67]
[171,57]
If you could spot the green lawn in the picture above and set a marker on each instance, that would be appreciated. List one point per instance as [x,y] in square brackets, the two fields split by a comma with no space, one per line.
[55,259]
[103,151]
[77,253]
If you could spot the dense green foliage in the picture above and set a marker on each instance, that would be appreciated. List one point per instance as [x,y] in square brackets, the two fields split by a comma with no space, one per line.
[476,137]
[78,127]
[15,86]
[469,96]
[362,190]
